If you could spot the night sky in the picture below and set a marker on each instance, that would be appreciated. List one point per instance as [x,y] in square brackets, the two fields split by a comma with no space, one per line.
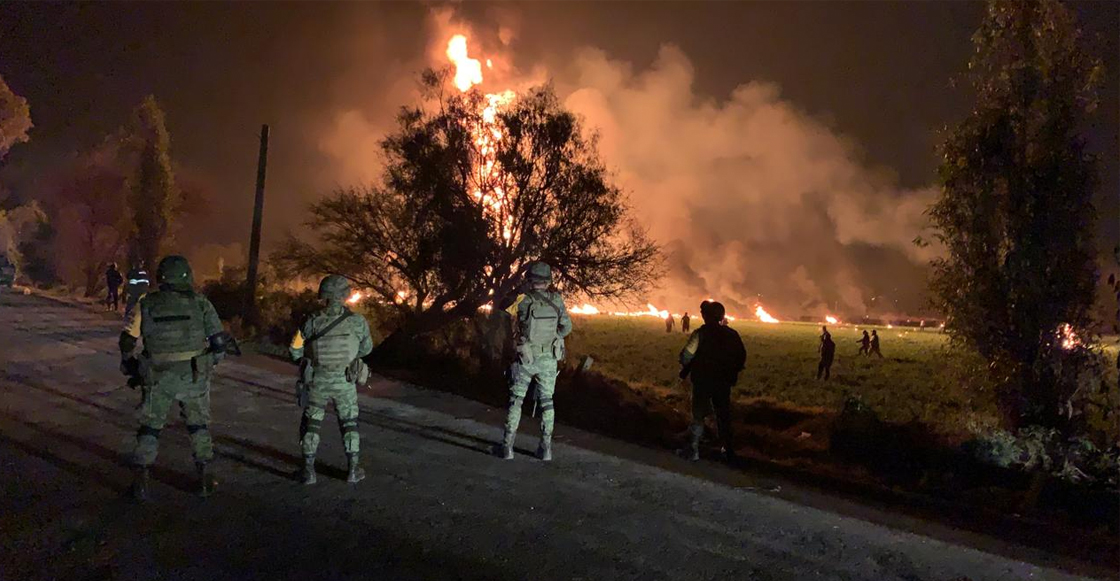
[874,73]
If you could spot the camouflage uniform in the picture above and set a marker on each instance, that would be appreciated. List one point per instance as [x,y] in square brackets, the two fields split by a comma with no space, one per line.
[542,324]
[329,357]
[176,326]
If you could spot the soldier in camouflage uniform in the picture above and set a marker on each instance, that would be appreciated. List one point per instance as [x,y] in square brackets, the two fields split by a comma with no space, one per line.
[182,341]
[335,339]
[542,324]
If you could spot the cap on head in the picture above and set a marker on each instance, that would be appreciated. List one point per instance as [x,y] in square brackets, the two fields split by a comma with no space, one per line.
[540,272]
[334,287]
[175,272]
[712,312]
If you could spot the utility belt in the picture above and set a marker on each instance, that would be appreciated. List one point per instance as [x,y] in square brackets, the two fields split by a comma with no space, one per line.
[529,352]
[357,373]
[201,363]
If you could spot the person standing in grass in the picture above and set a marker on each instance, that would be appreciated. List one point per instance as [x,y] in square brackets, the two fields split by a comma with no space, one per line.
[713,358]
[827,350]
[685,322]
[875,344]
[669,323]
[864,344]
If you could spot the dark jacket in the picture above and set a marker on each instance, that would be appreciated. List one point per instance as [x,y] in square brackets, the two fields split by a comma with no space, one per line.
[714,354]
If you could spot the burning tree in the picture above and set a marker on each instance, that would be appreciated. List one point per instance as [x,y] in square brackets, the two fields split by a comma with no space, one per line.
[475,187]
[1015,212]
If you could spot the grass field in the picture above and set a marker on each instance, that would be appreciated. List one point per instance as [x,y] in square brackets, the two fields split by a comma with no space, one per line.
[918,379]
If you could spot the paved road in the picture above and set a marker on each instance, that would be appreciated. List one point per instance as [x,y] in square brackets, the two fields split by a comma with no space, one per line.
[434,506]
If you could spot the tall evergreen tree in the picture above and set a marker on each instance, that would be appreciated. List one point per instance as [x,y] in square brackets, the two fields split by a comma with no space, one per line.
[153,196]
[1015,212]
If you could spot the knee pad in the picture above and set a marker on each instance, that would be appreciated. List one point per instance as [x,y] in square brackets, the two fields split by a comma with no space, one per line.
[546,404]
[348,426]
[309,426]
[516,401]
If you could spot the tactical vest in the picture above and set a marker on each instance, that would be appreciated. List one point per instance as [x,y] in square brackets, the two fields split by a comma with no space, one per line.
[539,328]
[335,350]
[172,327]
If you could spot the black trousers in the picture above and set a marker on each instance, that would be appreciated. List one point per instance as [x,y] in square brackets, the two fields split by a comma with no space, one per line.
[707,396]
[824,368]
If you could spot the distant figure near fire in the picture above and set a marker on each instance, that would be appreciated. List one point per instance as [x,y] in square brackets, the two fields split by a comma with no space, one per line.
[827,350]
[685,321]
[875,344]
[669,323]
[864,344]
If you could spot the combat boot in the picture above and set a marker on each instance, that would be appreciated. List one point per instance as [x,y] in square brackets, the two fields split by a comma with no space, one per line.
[544,450]
[139,489]
[505,449]
[206,483]
[307,475]
[356,473]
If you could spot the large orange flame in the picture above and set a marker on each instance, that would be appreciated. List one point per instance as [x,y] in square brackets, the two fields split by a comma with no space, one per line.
[488,191]
[763,315]
[468,71]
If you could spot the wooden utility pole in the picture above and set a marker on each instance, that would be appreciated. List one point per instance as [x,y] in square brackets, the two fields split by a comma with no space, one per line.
[255,237]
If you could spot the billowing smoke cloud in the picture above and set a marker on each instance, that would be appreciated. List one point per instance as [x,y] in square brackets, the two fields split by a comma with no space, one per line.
[753,200]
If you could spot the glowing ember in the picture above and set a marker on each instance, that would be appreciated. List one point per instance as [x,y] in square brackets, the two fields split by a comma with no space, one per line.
[764,316]
[586,309]
[831,320]
[354,298]
[1068,337]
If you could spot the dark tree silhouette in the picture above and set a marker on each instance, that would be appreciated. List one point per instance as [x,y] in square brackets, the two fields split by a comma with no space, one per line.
[471,194]
[1015,212]
[154,198]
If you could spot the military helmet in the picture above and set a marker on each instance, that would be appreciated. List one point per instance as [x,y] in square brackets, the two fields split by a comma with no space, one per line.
[175,272]
[334,287]
[540,272]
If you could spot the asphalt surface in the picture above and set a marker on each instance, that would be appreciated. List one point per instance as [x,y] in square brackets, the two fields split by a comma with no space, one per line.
[435,505]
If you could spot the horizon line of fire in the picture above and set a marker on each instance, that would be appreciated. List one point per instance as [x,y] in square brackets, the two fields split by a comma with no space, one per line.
[760,313]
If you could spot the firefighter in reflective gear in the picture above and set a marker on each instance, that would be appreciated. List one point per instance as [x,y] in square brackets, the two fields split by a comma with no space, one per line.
[713,358]
[330,345]
[178,327]
[542,323]
[135,287]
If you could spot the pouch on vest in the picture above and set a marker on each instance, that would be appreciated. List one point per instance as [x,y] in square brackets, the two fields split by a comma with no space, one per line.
[303,381]
[357,372]
[544,318]
[334,349]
